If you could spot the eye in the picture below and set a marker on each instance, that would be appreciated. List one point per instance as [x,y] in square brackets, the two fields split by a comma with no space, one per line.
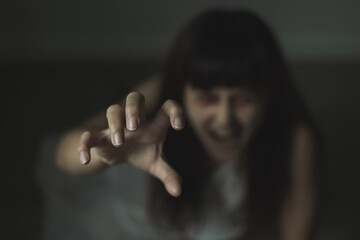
[206,98]
[243,99]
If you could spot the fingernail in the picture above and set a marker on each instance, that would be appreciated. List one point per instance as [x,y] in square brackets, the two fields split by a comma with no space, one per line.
[178,122]
[117,139]
[83,158]
[133,123]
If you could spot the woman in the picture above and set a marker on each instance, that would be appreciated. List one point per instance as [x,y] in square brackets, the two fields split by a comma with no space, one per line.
[243,165]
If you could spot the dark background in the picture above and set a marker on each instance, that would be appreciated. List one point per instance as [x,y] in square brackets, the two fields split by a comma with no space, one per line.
[63,60]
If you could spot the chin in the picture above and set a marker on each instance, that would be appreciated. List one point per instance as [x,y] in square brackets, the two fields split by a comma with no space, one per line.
[221,158]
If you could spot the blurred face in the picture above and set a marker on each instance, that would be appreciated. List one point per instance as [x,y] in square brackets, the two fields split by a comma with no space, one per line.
[223,118]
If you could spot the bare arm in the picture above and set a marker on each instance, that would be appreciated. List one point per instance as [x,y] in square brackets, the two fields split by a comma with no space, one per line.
[298,212]
[68,152]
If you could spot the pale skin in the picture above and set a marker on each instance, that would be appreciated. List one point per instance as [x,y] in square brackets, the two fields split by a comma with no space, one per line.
[125,135]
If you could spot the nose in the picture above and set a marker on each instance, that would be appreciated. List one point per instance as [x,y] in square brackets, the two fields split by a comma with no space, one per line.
[224,114]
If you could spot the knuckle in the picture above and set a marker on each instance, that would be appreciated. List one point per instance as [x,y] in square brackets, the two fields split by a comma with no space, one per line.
[178,111]
[81,148]
[131,106]
[166,105]
[87,134]
[109,162]
[169,102]
[135,95]
[167,177]
[112,163]
[173,107]
[134,99]
[132,110]
[115,108]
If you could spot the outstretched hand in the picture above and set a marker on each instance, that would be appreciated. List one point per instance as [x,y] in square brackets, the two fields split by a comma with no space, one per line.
[134,139]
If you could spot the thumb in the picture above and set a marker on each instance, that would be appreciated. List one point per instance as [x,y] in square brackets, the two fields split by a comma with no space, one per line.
[171,179]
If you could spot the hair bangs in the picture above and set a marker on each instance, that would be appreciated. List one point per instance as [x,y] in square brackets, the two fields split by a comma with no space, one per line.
[208,71]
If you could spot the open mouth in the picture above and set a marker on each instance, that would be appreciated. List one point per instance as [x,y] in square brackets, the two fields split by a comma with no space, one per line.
[225,141]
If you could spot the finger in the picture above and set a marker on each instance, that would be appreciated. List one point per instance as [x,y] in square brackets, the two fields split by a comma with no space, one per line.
[171,179]
[85,144]
[115,117]
[170,113]
[134,110]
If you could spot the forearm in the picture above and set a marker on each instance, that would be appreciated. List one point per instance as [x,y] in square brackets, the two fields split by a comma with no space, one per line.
[298,217]
[67,157]
[299,208]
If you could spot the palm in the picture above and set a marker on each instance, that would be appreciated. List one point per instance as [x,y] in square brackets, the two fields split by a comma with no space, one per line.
[144,146]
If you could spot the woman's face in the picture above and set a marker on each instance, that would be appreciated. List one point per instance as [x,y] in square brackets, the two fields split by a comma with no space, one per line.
[223,118]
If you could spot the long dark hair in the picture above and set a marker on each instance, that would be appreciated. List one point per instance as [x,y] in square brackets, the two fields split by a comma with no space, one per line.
[229,48]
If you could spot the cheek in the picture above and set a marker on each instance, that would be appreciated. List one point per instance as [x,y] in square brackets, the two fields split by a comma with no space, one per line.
[196,115]
[243,103]
[247,115]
